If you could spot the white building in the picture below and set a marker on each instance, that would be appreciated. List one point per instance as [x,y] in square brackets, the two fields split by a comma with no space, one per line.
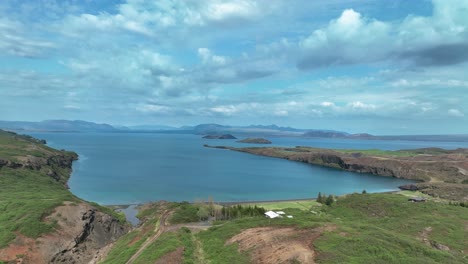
[271,214]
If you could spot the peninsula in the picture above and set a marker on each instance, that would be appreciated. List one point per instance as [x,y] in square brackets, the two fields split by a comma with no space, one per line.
[441,173]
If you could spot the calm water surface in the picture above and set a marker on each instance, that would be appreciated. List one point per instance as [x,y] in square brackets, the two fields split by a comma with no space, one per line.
[134,168]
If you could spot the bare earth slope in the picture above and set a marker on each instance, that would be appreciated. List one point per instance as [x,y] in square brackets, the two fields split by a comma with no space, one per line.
[443,173]
[40,220]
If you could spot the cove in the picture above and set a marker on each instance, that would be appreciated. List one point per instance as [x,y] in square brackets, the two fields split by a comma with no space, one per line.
[128,168]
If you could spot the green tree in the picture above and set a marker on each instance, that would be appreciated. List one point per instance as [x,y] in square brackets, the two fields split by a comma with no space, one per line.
[329,201]
[319,198]
[203,213]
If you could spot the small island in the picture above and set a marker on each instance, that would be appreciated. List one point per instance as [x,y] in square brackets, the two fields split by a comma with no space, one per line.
[225,136]
[255,141]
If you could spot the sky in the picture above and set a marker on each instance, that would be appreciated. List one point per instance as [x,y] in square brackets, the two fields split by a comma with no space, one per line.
[381,67]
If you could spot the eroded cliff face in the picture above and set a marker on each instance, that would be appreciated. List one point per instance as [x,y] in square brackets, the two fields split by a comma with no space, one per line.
[83,232]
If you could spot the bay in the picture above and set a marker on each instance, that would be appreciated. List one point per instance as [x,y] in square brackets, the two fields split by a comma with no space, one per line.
[129,168]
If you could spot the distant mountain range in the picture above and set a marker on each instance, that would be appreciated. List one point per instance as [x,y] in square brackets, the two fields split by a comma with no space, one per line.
[57,126]
[211,129]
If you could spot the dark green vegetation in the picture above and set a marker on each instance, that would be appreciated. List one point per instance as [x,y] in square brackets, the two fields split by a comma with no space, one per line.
[441,173]
[225,136]
[32,178]
[365,228]
[255,141]
[323,199]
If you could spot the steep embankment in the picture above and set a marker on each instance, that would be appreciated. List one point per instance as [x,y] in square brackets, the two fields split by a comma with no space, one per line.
[40,220]
[441,172]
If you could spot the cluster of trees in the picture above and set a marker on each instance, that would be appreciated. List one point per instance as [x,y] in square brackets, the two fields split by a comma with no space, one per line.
[238,211]
[323,199]
[209,209]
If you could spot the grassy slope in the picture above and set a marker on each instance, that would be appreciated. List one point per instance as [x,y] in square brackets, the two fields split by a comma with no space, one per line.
[167,243]
[387,228]
[371,228]
[27,195]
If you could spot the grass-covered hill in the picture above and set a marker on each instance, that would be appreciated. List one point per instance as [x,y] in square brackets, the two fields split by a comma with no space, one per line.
[357,228]
[35,202]
[32,178]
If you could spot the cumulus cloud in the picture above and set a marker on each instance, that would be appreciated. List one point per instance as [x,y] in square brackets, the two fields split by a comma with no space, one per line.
[348,39]
[153,18]
[230,60]
[440,39]
[208,58]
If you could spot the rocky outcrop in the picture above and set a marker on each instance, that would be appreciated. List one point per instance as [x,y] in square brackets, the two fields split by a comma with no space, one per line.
[97,230]
[409,187]
[10,164]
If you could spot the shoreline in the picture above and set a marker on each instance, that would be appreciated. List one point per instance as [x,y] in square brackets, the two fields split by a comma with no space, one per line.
[227,203]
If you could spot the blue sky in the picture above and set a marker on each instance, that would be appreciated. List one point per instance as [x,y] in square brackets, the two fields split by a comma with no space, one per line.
[383,67]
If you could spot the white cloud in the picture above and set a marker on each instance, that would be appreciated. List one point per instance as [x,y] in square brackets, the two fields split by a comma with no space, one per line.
[327,104]
[150,108]
[455,112]
[281,113]
[361,105]
[209,58]
[440,39]
[221,10]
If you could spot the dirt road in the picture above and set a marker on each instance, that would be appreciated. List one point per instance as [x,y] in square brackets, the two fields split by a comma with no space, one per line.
[159,230]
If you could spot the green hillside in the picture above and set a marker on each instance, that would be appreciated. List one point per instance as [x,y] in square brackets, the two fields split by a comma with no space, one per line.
[32,178]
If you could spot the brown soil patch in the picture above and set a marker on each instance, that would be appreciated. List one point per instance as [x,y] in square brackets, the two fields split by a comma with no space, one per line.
[194,227]
[21,250]
[173,257]
[40,250]
[279,245]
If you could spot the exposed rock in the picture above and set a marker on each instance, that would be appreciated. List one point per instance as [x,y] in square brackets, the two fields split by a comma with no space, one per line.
[438,246]
[96,230]
[255,141]
[409,187]
[225,136]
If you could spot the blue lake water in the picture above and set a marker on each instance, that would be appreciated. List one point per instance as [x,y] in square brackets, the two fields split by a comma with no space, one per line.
[121,168]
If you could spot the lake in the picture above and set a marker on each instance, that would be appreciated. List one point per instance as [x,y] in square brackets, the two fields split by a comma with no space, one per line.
[128,168]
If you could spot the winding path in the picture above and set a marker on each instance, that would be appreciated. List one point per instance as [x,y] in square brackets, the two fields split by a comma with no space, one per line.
[159,230]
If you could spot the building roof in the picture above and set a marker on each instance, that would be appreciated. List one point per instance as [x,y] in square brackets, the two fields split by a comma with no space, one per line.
[271,214]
